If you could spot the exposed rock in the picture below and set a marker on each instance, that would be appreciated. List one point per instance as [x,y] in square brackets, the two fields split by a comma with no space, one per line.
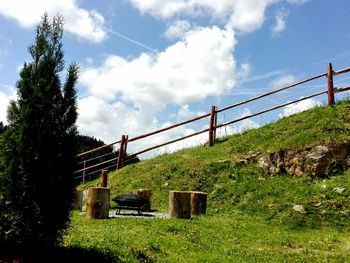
[319,161]
[339,190]
[299,209]
[246,159]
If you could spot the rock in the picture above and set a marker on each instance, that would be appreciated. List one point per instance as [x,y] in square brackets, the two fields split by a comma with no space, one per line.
[339,190]
[264,164]
[319,161]
[299,209]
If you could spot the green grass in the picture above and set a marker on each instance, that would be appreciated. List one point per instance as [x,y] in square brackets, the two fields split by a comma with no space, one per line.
[250,215]
[221,238]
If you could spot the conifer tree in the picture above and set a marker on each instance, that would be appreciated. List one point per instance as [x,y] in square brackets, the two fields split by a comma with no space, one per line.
[39,145]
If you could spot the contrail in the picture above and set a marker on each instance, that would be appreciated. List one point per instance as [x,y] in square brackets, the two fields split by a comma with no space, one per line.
[131,40]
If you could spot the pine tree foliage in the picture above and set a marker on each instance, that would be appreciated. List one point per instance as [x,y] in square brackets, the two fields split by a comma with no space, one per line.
[39,146]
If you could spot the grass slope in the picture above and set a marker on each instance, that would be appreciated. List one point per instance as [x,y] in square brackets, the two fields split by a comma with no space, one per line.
[250,216]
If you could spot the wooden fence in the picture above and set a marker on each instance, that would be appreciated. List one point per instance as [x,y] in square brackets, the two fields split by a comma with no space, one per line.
[118,161]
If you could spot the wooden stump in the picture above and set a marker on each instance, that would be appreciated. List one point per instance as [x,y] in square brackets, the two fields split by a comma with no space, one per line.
[198,203]
[179,204]
[97,206]
[78,200]
[145,193]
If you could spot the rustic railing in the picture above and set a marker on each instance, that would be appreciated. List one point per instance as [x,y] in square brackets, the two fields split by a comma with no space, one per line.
[122,157]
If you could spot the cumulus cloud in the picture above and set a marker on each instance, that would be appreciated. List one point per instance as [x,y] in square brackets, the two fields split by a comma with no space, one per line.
[125,95]
[299,107]
[178,29]
[5,99]
[199,66]
[83,23]
[280,21]
[244,15]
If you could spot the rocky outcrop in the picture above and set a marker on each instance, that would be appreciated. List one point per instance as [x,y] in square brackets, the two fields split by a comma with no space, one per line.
[319,161]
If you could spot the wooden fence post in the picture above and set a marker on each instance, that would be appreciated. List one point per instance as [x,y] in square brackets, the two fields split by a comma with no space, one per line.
[215,122]
[330,85]
[121,152]
[104,178]
[125,148]
[212,126]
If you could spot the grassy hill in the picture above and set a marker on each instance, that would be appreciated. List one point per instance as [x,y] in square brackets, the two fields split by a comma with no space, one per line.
[250,214]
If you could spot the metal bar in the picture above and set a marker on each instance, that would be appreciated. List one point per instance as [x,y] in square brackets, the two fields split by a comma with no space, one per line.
[169,142]
[270,109]
[100,156]
[271,92]
[105,168]
[96,165]
[97,149]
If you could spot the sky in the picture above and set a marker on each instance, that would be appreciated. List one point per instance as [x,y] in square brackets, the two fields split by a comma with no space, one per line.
[147,64]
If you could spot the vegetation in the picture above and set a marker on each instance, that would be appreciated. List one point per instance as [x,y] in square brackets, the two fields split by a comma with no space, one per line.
[38,147]
[250,215]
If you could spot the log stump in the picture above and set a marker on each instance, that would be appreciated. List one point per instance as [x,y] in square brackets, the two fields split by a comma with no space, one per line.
[146,194]
[78,200]
[97,206]
[198,203]
[179,204]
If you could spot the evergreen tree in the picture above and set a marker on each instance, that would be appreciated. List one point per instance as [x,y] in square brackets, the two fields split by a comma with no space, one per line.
[39,146]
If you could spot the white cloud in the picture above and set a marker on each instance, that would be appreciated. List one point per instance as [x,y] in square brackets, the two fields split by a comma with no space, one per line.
[178,29]
[280,21]
[4,102]
[85,24]
[298,2]
[124,96]
[199,66]
[299,107]
[283,80]
[244,15]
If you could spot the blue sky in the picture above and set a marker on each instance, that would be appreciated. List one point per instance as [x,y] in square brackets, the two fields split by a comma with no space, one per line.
[148,63]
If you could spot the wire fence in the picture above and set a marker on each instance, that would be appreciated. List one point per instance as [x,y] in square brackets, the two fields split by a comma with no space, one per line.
[121,157]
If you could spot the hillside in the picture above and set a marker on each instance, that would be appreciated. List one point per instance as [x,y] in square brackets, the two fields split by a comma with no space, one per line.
[254,214]
[217,170]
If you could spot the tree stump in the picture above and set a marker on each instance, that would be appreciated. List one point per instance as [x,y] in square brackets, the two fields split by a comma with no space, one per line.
[179,204]
[198,203]
[144,193]
[78,200]
[97,206]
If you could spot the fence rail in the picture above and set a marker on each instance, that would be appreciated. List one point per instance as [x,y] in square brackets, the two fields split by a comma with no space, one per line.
[213,125]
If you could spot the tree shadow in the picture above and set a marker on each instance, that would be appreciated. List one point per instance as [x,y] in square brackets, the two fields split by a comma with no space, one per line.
[56,255]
